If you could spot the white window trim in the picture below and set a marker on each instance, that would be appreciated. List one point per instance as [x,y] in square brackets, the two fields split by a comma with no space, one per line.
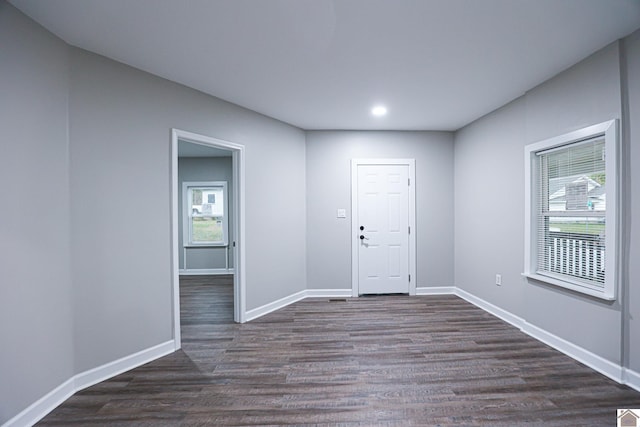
[609,130]
[186,215]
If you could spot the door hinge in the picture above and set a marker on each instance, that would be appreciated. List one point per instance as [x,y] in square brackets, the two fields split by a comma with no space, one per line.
[409,181]
[409,229]
[409,277]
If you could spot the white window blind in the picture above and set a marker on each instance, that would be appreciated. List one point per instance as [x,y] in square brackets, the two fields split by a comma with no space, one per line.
[571,235]
[572,212]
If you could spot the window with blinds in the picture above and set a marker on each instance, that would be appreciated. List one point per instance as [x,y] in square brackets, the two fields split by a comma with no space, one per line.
[571,219]
[571,212]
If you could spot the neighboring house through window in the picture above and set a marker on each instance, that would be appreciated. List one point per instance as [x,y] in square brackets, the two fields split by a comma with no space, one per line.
[571,235]
[205,213]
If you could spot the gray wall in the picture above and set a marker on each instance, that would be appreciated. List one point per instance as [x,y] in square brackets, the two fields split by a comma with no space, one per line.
[206,169]
[35,287]
[329,155]
[489,211]
[84,133]
[77,123]
[489,176]
[632,217]
[120,139]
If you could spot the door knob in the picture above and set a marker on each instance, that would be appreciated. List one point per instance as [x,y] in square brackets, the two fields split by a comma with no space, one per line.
[361,237]
[361,227]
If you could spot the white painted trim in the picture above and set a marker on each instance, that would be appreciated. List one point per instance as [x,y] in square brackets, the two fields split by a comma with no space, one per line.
[609,130]
[413,263]
[529,222]
[490,308]
[436,290]
[39,409]
[239,283]
[569,284]
[275,305]
[578,353]
[51,400]
[238,188]
[175,243]
[411,163]
[595,362]
[354,226]
[298,296]
[631,378]
[328,293]
[205,271]
[116,367]
[186,215]
[575,136]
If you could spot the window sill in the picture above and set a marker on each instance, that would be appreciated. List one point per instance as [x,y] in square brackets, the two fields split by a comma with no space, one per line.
[583,289]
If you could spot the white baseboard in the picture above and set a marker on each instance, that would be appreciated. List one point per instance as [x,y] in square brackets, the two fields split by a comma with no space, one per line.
[595,362]
[631,378]
[54,398]
[298,296]
[47,403]
[328,293]
[275,305]
[205,271]
[490,308]
[436,290]
[111,369]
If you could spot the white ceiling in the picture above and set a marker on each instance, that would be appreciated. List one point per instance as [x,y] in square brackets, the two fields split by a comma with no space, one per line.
[322,64]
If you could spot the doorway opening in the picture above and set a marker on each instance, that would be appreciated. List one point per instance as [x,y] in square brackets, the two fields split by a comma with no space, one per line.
[197,233]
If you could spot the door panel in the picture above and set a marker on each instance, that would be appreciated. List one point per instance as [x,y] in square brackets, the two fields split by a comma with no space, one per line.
[383,211]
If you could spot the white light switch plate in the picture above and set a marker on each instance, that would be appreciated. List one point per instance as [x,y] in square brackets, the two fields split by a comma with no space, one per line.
[342,213]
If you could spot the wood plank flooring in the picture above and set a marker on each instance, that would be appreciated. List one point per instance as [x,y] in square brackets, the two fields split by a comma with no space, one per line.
[370,361]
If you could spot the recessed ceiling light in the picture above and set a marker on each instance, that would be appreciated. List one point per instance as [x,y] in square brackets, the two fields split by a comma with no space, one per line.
[379,110]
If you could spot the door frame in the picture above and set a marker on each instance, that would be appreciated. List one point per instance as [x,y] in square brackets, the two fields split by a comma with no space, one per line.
[238,191]
[354,218]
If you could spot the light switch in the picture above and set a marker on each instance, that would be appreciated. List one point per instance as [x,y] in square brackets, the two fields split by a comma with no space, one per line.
[342,213]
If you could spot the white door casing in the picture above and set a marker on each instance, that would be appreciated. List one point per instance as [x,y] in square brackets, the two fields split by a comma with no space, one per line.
[238,167]
[383,203]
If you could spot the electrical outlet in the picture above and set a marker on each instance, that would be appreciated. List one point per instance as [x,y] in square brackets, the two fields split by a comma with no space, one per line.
[499,279]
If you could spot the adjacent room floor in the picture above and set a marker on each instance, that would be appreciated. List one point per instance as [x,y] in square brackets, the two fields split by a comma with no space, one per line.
[369,361]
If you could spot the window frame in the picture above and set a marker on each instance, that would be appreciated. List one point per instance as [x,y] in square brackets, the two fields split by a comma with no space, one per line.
[609,131]
[187,214]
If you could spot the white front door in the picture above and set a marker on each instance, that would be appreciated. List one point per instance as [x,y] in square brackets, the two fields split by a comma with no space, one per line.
[382,218]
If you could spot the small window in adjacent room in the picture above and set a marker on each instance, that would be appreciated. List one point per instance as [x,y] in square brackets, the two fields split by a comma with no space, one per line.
[570,217]
[205,213]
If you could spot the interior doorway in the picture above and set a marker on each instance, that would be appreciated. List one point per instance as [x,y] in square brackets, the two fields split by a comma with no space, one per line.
[204,212]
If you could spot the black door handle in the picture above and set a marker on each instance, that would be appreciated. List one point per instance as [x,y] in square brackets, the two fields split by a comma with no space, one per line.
[362,228]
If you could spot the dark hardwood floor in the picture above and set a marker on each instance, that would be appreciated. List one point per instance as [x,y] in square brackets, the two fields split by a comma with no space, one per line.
[371,361]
